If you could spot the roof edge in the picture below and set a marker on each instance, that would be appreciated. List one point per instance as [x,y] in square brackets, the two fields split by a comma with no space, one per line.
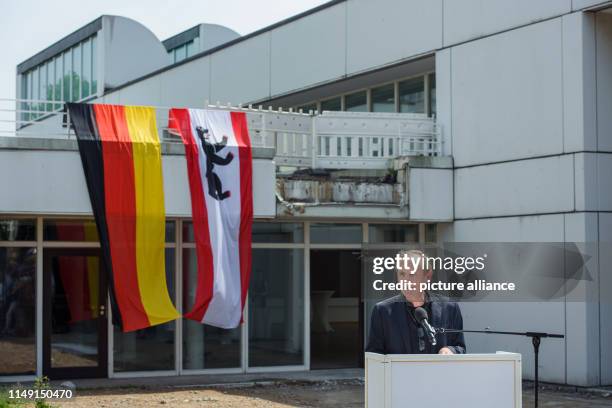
[228,44]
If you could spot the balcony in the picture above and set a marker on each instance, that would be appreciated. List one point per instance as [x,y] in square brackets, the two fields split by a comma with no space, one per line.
[379,165]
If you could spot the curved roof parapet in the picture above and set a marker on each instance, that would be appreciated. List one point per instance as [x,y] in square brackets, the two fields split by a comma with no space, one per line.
[131,50]
[208,36]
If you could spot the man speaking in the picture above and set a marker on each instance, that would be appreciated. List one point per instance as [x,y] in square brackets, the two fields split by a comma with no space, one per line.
[395,328]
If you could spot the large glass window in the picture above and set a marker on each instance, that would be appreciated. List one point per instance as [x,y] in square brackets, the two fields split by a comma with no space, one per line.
[276,308]
[151,348]
[204,346]
[356,102]
[334,104]
[380,233]
[328,233]
[17,311]
[412,95]
[383,99]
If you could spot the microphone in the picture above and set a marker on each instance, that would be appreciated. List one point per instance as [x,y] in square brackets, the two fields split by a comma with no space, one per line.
[421,317]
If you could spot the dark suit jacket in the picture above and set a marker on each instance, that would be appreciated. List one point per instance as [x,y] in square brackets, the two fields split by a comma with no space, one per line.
[394,331]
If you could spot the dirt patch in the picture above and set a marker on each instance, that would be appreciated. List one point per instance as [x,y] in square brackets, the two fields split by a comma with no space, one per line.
[266,395]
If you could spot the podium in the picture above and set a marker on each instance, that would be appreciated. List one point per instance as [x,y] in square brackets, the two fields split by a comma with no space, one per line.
[434,380]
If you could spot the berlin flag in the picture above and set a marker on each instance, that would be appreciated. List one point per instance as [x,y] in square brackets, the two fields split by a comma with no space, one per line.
[219,165]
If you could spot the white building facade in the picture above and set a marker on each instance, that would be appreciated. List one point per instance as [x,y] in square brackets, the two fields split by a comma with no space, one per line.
[511,100]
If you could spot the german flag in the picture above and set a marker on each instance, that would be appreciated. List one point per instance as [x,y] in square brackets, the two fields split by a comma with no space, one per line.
[121,157]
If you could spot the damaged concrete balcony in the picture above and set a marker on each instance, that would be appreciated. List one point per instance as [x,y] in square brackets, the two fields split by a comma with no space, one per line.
[381,165]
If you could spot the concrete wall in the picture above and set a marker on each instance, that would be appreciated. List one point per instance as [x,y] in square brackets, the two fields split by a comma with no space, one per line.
[468,19]
[52,182]
[130,51]
[523,114]
[430,194]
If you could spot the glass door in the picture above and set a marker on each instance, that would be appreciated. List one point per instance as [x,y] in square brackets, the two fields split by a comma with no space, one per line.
[74,308]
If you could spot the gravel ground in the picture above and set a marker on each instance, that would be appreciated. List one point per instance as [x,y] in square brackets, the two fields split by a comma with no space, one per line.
[346,394]
[349,394]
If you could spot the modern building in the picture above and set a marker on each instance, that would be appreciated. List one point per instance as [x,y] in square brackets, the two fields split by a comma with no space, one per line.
[442,120]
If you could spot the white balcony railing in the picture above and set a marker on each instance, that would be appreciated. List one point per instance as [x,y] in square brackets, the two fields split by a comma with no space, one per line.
[333,140]
[344,140]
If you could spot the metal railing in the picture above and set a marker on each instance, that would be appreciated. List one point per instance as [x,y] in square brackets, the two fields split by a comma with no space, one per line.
[333,140]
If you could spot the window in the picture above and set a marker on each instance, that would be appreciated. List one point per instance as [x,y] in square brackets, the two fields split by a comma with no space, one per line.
[431,232]
[86,75]
[329,233]
[67,82]
[205,346]
[391,233]
[18,230]
[94,59]
[276,308]
[190,49]
[412,95]
[432,94]
[278,232]
[70,230]
[334,104]
[17,311]
[151,348]
[59,73]
[68,76]
[76,73]
[357,102]
[383,99]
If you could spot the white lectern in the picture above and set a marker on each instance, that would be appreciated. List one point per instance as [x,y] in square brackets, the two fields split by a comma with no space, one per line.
[433,380]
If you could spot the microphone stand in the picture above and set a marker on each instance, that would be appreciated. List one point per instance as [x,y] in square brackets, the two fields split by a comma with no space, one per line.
[536,337]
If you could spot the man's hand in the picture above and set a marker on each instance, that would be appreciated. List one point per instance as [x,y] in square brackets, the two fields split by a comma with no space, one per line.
[445,350]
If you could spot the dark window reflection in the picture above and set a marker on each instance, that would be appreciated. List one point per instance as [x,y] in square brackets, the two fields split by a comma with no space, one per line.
[75,303]
[276,308]
[70,230]
[205,346]
[17,230]
[84,230]
[412,95]
[151,348]
[329,233]
[278,232]
[431,233]
[17,311]
[379,233]
[334,104]
[357,102]
[383,99]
